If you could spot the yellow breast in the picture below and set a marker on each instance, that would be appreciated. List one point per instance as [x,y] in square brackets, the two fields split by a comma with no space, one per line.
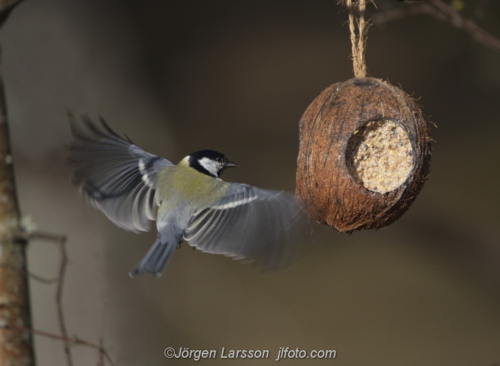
[182,184]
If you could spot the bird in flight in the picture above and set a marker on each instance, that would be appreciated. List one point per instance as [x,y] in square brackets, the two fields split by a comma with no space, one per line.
[189,201]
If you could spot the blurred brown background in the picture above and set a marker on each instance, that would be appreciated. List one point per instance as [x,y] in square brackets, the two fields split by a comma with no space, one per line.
[235,76]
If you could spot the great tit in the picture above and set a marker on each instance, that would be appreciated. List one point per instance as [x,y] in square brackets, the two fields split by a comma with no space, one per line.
[188,201]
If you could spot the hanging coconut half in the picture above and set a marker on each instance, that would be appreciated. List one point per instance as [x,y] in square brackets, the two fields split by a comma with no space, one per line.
[364,155]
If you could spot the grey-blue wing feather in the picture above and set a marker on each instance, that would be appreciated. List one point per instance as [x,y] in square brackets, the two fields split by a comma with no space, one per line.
[251,224]
[116,176]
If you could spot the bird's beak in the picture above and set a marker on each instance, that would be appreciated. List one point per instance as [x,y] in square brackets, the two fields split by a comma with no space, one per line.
[230,165]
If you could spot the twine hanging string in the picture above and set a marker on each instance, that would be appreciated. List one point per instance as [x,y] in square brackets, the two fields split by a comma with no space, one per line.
[358,27]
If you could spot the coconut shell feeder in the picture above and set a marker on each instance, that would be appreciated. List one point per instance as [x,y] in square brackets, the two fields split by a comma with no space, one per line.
[364,151]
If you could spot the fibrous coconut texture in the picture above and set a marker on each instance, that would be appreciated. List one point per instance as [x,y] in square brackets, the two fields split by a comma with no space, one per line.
[364,155]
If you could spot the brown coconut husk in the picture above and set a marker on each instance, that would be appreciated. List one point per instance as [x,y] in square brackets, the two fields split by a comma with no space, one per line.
[344,132]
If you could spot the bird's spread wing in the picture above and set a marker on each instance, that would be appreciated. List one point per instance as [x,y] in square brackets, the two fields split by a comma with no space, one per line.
[262,226]
[116,176]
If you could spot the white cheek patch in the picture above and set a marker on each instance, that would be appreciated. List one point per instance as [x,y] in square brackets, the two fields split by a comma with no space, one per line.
[210,165]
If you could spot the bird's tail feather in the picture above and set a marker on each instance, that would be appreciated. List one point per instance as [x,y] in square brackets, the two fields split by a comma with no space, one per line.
[155,259]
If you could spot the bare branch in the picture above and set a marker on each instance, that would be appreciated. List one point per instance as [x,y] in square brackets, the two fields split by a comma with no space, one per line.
[100,355]
[442,12]
[68,340]
[15,349]
[6,6]
[387,16]
[60,240]
[41,279]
